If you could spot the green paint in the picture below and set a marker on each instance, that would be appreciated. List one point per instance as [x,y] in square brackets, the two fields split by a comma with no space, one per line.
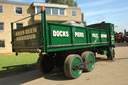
[105,52]
[44,40]
[60,35]
[74,47]
[95,36]
[28,43]
[12,35]
[79,35]
[104,36]
[76,73]
[50,35]
[91,59]
[112,39]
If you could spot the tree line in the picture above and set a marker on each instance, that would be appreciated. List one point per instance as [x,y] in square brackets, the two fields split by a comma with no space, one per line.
[67,2]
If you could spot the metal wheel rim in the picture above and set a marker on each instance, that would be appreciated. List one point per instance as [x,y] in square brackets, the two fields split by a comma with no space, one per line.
[91,58]
[75,61]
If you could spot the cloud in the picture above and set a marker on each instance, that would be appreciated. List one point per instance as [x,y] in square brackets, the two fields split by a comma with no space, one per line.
[96,3]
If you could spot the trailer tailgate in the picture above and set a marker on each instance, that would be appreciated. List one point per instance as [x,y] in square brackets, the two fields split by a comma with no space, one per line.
[27,39]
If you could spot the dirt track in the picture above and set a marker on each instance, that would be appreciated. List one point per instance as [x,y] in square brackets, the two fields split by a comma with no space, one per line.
[105,73]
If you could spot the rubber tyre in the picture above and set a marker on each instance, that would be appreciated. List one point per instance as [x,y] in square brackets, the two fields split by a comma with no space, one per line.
[70,61]
[86,57]
[60,62]
[45,63]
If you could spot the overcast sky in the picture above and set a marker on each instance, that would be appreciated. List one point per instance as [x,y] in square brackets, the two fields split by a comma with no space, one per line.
[95,11]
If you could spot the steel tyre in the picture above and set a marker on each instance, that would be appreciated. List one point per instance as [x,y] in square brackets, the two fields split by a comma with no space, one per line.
[69,64]
[89,60]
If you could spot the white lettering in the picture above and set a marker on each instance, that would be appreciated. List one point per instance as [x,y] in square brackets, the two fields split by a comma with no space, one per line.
[54,33]
[112,37]
[79,34]
[57,33]
[95,35]
[103,35]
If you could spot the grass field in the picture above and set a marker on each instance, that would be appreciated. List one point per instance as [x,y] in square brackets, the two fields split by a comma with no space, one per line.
[10,60]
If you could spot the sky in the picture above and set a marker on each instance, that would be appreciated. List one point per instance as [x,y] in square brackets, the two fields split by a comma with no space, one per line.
[96,11]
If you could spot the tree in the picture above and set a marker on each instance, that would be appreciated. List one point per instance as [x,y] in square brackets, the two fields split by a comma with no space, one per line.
[84,22]
[55,1]
[67,2]
[70,2]
[47,1]
[75,4]
[61,1]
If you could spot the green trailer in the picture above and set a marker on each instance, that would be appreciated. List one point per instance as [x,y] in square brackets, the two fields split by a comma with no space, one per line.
[71,48]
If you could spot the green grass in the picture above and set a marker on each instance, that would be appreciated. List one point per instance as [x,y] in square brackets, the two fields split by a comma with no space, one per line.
[24,58]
